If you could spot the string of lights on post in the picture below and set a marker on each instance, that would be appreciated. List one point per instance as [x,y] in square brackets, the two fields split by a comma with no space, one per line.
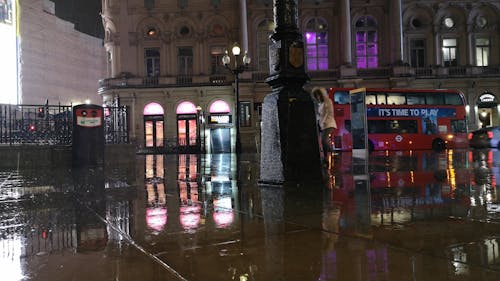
[236,71]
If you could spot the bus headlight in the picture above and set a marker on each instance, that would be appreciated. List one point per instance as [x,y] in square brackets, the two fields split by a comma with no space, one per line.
[449,137]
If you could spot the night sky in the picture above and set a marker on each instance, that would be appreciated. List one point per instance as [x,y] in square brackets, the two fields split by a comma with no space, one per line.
[83,13]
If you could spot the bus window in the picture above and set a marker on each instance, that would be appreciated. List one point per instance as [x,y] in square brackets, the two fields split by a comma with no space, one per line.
[392,126]
[381,99]
[370,99]
[458,126]
[453,99]
[341,97]
[415,99]
[434,98]
[396,98]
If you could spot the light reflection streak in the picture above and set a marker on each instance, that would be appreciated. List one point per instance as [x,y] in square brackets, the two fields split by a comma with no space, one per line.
[10,259]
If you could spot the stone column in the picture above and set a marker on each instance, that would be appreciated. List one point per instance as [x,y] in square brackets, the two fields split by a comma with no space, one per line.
[345,29]
[397,26]
[244,26]
[470,46]
[124,49]
[437,46]
[290,147]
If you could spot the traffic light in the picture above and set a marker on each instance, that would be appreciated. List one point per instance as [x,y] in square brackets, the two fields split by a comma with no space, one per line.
[41,112]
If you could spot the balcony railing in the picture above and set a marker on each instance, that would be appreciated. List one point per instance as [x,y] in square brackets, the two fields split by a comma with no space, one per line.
[126,81]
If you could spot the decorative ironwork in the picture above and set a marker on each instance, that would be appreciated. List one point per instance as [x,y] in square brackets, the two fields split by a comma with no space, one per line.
[53,124]
[36,124]
[116,125]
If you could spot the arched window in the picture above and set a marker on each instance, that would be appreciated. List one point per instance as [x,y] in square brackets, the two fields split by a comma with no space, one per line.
[153,108]
[186,107]
[317,44]
[366,42]
[219,106]
[264,30]
[153,125]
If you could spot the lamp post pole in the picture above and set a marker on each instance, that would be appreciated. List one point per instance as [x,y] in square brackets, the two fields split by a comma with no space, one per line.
[237,108]
[236,71]
[198,129]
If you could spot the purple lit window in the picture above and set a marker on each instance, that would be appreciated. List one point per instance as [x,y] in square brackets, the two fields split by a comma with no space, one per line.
[366,43]
[316,38]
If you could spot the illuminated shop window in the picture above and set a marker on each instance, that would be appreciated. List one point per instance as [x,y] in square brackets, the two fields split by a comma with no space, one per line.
[366,43]
[187,126]
[317,44]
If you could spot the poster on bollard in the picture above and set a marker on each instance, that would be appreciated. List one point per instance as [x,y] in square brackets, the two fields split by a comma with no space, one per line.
[359,130]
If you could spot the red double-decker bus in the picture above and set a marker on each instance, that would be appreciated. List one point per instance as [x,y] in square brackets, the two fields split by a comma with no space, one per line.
[402,119]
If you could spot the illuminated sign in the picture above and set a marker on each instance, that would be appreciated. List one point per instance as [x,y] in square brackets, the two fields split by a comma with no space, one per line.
[186,116]
[219,119]
[8,52]
[88,117]
[487,98]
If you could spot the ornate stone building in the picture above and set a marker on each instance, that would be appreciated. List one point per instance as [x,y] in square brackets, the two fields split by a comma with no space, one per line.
[164,59]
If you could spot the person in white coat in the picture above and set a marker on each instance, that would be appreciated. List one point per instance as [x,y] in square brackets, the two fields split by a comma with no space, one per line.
[326,120]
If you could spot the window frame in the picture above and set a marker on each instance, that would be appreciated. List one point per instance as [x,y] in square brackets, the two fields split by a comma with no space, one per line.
[484,50]
[155,69]
[367,27]
[452,62]
[317,58]
[185,63]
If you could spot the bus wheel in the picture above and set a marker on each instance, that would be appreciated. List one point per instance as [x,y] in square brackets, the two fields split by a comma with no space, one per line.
[438,145]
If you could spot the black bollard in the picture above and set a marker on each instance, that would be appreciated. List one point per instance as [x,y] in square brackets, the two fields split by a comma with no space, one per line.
[88,135]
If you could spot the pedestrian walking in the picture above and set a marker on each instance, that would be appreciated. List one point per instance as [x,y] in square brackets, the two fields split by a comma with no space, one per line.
[326,121]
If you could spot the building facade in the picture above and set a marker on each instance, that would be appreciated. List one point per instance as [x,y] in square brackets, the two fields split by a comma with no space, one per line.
[57,64]
[164,60]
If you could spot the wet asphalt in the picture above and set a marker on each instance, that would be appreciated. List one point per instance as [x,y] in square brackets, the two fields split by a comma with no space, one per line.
[416,215]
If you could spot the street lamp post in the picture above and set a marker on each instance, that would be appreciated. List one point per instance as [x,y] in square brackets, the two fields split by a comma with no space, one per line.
[236,70]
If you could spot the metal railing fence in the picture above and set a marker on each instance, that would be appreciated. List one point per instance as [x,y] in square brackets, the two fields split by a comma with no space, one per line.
[53,124]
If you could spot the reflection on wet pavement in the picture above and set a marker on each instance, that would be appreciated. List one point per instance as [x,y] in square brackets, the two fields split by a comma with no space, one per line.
[416,215]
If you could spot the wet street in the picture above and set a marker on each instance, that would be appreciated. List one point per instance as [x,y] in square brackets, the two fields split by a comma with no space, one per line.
[418,216]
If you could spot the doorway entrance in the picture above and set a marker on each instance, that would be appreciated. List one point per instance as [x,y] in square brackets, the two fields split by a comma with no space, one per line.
[153,126]
[188,133]
[487,110]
